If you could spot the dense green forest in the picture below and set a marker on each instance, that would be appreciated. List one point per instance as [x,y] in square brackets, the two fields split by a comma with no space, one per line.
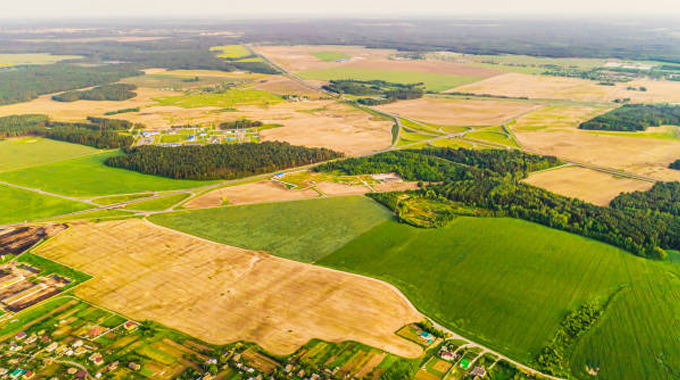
[240,124]
[116,91]
[227,161]
[662,197]
[635,117]
[675,165]
[100,133]
[378,91]
[490,179]
[26,83]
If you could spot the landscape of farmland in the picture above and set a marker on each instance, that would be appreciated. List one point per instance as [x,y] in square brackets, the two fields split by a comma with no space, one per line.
[335,198]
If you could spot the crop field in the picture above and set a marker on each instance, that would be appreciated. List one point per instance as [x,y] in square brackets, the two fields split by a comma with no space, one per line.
[458,112]
[304,230]
[453,143]
[150,272]
[34,59]
[285,86]
[120,198]
[585,184]
[158,204]
[95,215]
[19,153]
[432,81]
[330,56]
[88,177]
[257,192]
[229,99]
[19,205]
[558,117]
[231,51]
[496,135]
[664,132]
[445,272]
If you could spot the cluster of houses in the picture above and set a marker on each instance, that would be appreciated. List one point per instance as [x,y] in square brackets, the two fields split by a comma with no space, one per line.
[449,354]
[198,138]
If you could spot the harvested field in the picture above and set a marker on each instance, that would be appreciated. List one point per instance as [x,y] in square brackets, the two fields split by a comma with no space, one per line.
[334,188]
[458,111]
[299,58]
[644,156]
[284,86]
[16,241]
[553,117]
[257,192]
[221,294]
[547,87]
[585,184]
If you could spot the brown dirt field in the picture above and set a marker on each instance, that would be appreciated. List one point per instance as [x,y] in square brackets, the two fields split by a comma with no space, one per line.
[334,188]
[284,86]
[257,192]
[374,361]
[547,87]
[439,67]
[395,186]
[441,366]
[424,375]
[458,111]
[585,184]
[298,58]
[223,294]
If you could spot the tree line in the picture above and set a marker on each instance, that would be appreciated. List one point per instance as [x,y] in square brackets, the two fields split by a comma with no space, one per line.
[26,83]
[490,180]
[115,92]
[382,92]
[227,161]
[240,124]
[662,197]
[635,117]
[675,165]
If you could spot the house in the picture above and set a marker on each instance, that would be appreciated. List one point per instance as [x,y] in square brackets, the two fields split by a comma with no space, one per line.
[478,371]
[447,355]
[52,347]
[191,138]
[17,373]
[113,366]
[21,335]
[81,374]
[31,339]
[203,134]
[28,375]
[134,366]
[77,343]
[96,358]
[130,325]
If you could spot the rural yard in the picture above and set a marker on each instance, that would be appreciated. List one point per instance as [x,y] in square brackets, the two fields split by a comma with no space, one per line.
[221,294]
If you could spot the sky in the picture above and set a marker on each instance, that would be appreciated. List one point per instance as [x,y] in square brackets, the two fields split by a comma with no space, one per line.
[371,8]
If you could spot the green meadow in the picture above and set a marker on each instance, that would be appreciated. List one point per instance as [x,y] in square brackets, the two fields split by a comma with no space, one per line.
[330,56]
[31,151]
[34,59]
[89,177]
[228,99]
[494,135]
[301,230]
[508,284]
[433,81]
[231,51]
[158,204]
[17,205]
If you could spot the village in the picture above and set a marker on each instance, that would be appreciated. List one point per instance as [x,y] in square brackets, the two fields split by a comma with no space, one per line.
[196,136]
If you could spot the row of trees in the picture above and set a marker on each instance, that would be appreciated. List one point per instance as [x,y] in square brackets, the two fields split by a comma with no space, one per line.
[383,92]
[490,180]
[21,125]
[100,139]
[662,197]
[635,117]
[227,161]
[26,83]
[115,92]
[240,124]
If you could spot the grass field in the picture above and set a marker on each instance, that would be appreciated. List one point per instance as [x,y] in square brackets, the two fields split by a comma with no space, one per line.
[17,205]
[231,51]
[432,81]
[88,176]
[228,99]
[158,204]
[665,132]
[452,143]
[330,56]
[304,230]
[33,59]
[509,283]
[120,198]
[95,215]
[31,151]
[495,135]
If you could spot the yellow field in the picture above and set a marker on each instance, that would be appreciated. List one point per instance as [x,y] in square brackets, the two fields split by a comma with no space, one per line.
[257,192]
[585,184]
[231,51]
[222,294]
[558,116]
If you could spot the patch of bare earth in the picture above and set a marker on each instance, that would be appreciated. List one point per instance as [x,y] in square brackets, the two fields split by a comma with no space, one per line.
[284,86]
[222,294]
[586,184]
[257,192]
[442,111]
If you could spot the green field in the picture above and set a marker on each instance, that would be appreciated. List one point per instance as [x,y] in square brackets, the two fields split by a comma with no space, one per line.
[158,204]
[301,230]
[231,51]
[95,215]
[228,99]
[33,59]
[495,135]
[17,205]
[452,143]
[508,284]
[120,198]
[666,132]
[330,56]
[432,81]
[52,267]
[31,151]
[89,177]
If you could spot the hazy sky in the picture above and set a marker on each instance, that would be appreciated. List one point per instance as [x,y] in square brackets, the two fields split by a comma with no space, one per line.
[180,8]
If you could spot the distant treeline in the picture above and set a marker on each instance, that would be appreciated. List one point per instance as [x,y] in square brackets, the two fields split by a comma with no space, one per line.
[386,92]
[26,83]
[490,179]
[125,110]
[115,92]
[97,132]
[228,161]
[635,117]
[675,165]
[240,124]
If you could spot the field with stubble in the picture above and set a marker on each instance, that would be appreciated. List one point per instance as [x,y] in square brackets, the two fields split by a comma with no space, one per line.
[221,294]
